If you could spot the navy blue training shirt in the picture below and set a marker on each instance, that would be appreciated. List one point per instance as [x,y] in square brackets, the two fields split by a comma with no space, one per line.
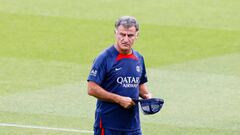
[122,75]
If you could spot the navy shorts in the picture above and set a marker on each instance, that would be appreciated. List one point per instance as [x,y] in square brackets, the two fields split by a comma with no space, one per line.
[104,131]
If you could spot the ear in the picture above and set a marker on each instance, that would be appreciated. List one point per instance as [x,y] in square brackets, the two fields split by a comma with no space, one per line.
[137,34]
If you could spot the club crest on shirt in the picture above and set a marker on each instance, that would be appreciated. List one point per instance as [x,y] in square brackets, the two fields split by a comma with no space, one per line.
[138,68]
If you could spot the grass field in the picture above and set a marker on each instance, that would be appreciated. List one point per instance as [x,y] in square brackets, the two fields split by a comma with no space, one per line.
[191,49]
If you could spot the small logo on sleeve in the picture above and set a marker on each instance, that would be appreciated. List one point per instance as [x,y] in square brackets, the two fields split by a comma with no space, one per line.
[93,72]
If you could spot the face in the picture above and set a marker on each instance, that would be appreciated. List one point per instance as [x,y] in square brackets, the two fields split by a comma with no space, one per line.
[125,38]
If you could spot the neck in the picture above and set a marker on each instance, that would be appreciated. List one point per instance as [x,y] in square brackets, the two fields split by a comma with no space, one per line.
[125,52]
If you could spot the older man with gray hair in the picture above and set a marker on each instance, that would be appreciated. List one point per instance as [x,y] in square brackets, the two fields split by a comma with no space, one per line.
[118,76]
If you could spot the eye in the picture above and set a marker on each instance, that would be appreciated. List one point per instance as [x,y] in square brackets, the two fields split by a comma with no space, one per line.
[130,35]
[122,34]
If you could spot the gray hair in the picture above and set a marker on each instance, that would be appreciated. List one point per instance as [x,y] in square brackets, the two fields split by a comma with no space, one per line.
[127,22]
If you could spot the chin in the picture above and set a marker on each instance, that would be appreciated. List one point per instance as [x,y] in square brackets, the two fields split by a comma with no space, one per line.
[125,48]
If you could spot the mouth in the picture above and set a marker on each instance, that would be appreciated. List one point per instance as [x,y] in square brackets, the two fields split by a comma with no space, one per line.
[125,44]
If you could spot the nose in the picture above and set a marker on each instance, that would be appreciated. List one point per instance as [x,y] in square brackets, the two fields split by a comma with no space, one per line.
[125,38]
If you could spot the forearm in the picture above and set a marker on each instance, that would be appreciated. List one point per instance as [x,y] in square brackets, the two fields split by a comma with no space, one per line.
[143,91]
[102,94]
[98,92]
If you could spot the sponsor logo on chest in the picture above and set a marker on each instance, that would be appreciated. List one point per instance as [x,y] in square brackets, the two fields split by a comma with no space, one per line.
[129,82]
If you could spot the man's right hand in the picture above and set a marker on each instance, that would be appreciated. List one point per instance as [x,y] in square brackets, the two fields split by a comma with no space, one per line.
[100,93]
[126,102]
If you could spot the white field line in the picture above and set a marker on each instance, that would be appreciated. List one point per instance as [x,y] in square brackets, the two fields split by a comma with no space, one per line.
[45,128]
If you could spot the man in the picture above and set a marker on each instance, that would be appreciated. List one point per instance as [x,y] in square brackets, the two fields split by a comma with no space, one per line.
[117,77]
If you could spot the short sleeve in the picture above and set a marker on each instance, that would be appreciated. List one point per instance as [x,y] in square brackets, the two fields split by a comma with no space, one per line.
[143,78]
[98,70]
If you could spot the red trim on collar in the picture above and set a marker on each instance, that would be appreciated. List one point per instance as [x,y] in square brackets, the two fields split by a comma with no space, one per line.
[129,56]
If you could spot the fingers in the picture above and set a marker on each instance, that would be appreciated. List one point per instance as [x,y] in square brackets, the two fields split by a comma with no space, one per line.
[129,105]
[147,96]
[127,102]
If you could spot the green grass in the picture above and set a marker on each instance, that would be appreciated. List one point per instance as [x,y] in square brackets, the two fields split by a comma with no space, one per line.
[191,48]
[55,38]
